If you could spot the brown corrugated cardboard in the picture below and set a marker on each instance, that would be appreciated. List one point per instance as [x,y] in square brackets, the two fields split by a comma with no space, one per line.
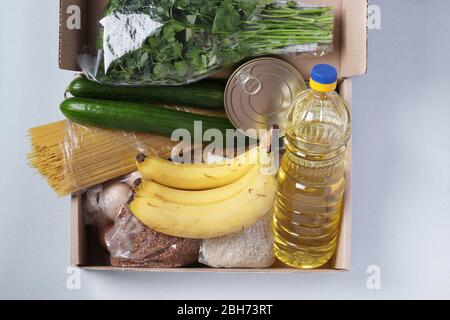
[354,31]
[71,36]
[350,58]
[76,38]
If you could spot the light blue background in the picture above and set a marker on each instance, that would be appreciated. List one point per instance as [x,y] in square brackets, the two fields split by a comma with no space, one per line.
[401,171]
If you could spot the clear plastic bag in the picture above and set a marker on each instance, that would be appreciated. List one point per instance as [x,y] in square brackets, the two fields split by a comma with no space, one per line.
[132,244]
[249,248]
[172,42]
[103,203]
[73,157]
[129,242]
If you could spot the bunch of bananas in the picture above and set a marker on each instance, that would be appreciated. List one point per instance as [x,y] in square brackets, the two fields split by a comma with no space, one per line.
[202,201]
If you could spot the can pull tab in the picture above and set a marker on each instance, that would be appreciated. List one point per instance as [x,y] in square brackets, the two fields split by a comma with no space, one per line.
[245,80]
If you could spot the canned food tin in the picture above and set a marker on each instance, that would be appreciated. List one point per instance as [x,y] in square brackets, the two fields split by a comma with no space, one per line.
[259,95]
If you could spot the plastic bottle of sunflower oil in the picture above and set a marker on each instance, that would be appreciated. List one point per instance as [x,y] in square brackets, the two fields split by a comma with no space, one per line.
[311,179]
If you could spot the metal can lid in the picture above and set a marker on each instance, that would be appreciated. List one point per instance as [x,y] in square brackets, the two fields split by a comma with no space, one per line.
[259,95]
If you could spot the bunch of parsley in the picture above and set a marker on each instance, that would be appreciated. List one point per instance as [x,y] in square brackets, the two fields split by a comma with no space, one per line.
[202,36]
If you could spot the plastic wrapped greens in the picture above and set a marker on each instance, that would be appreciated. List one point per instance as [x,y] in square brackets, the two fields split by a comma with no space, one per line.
[145,42]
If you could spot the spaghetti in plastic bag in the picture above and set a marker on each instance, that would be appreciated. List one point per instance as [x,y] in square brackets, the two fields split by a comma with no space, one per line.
[72,157]
[173,42]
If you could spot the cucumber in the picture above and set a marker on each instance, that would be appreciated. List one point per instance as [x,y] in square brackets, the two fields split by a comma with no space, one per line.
[208,94]
[132,116]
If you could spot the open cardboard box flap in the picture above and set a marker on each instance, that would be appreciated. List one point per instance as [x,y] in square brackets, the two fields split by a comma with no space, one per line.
[349,57]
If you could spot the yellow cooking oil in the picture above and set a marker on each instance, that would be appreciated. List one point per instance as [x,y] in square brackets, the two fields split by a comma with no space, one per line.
[311,178]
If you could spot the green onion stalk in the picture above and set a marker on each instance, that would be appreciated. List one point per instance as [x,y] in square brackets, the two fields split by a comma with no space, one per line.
[282,27]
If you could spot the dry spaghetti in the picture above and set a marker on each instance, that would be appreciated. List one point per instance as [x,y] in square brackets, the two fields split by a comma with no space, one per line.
[72,157]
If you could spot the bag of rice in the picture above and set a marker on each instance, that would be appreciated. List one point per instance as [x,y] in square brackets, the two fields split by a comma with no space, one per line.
[249,248]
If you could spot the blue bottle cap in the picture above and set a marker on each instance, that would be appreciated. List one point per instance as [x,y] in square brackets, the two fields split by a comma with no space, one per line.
[324,74]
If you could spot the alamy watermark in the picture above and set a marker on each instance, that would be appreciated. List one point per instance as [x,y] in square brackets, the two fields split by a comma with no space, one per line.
[73,281]
[373,281]
[374,17]
[215,146]
[73,21]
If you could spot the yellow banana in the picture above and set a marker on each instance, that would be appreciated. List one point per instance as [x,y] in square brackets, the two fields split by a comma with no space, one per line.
[203,197]
[211,220]
[196,176]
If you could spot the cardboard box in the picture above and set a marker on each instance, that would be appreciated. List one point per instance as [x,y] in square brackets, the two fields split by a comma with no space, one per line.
[349,57]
